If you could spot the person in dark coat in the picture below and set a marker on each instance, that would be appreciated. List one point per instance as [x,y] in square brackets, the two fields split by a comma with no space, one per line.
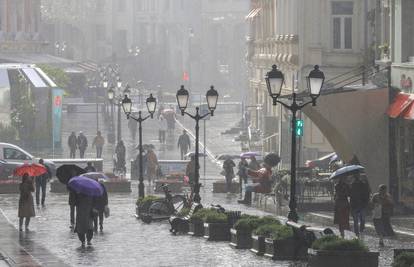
[228,166]
[26,206]
[89,167]
[84,218]
[41,182]
[100,203]
[342,209]
[242,170]
[383,210]
[184,143]
[73,144]
[82,142]
[120,152]
[359,199]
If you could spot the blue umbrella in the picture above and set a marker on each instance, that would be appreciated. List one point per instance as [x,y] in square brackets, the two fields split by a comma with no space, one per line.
[86,186]
[347,170]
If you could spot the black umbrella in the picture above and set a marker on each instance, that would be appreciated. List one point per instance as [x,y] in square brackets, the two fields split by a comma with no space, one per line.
[67,171]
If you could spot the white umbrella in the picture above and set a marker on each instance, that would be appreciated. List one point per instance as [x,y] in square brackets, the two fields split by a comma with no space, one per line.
[347,170]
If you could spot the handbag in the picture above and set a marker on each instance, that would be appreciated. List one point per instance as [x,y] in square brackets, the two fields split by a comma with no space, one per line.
[107,211]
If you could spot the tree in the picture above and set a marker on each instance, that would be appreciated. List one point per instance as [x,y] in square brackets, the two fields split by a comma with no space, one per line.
[56,74]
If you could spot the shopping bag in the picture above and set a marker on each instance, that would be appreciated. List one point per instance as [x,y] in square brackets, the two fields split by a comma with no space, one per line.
[107,212]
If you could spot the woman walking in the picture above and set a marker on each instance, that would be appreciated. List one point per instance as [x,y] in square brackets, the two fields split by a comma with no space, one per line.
[342,208]
[152,164]
[383,210]
[26,205]
[84,218]
[100,203]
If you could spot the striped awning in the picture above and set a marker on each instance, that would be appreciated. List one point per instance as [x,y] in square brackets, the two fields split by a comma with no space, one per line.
[88,66]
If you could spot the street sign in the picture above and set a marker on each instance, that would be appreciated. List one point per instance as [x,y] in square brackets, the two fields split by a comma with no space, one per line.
[299,127]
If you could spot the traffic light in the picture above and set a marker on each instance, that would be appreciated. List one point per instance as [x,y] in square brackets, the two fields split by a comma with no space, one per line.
[299,127]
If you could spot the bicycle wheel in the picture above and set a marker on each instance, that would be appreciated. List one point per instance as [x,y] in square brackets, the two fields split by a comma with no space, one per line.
[179,202]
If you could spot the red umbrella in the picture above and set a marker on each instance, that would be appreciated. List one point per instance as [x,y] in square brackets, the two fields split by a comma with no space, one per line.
[31,169]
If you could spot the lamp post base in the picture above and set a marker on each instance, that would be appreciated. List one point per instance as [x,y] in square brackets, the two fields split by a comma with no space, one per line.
[293,216]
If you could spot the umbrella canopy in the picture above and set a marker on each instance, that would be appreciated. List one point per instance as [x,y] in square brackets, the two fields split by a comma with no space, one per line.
[86,186]
[345,171]
[95,175]
[249,154]
[67,171]
[33,169]
[227,156]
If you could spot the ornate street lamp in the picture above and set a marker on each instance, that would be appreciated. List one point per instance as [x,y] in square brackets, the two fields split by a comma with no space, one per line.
[127,107]
[118,83]
[274,80]
[182,100]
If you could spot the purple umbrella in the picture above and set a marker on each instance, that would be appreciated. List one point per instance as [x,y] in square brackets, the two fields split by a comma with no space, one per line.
[86,186]
[249,154]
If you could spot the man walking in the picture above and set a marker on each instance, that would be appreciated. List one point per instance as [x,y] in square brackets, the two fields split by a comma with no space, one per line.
[360,195]
[41,182]
[184,143]
[82,144]
[72,143]
[98,142]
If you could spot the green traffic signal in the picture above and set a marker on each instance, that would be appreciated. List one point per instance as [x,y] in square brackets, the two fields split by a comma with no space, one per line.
[299,127]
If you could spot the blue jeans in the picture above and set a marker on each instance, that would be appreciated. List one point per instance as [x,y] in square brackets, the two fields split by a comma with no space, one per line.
[358,216]
[40,185]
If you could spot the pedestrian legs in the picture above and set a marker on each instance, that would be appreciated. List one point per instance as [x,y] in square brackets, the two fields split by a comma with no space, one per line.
[72,215]
[43,184]
[98,152]
[182,153]
[26,225]
[38,180]
[356,217]
[89,236]
[81,153]
[228,184]
[101,220]
[72,153]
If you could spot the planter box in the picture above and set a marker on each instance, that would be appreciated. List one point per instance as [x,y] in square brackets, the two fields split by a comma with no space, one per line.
[284,249]
[258,245]
[175,186]
[325,258]
[196,229]
[9,188]
[240,240]
[220,187]
[217,231]
[57,187]
[123,186]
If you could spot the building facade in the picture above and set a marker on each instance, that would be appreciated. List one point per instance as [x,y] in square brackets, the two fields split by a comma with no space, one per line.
[296,35]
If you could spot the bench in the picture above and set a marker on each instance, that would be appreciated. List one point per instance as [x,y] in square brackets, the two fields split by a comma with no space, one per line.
[182,224]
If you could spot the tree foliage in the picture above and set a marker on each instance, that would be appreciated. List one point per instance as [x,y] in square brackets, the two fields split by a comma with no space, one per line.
[56,74]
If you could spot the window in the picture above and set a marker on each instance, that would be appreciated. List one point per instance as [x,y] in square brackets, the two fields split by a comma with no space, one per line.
[342,12]
[11,153]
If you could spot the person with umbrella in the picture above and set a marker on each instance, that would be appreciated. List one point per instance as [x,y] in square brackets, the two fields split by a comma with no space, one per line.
[228,166]
[342,207]
[41,182]
[100,203]
[184,143]
[262,178]
[359,199]
[242,170]
[26,206]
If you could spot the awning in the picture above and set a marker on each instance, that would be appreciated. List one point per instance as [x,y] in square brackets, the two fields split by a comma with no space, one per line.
[253,13]
[88,66]
[400,104]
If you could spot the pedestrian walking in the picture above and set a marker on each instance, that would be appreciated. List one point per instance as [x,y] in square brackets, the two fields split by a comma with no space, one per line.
[342,209]
[120,152]
[242,170]
[26,206]
[41,183]
[82,143]
[359,199]
[100,205]
[73,144]
[383,210]
[84,218]
[184,144]
[162,124]
[89,167]
[228,166]
[98,142]
[152,165]
[262,182]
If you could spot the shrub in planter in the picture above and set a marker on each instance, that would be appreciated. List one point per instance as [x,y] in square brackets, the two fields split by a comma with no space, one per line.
[216,227]
[259,235]
[241,234]
[268,220]
[197,222]
[404,259]
[280,244]
[334,251]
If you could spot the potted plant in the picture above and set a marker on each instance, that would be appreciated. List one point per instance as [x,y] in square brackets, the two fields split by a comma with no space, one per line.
[241,233]
[197,222]
[258,235]
[142,205]
[385,50]
[404,259]
[216,226]
[332,250]
[280,244]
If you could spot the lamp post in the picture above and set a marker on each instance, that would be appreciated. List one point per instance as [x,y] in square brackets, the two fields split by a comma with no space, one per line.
[111,96]
[127,107]
[117,101]
[182,100]
[274,81]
